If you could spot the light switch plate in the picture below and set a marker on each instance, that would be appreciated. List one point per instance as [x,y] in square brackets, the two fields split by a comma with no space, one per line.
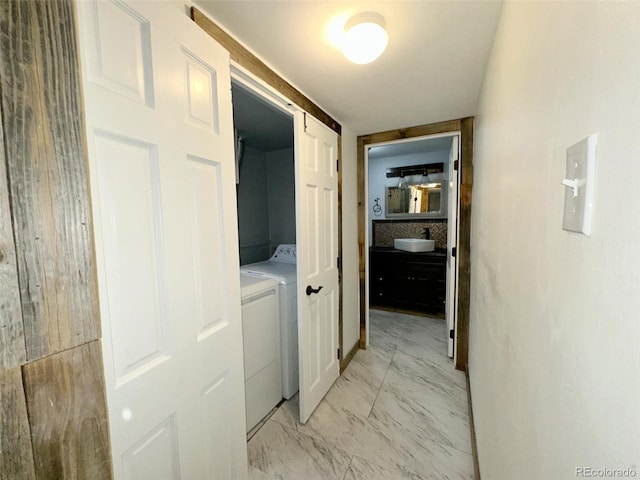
[579,185]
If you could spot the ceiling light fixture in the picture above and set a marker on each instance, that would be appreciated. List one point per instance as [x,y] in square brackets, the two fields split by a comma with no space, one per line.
[364,38]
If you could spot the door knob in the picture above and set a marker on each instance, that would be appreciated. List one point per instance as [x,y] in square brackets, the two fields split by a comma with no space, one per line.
[313,290]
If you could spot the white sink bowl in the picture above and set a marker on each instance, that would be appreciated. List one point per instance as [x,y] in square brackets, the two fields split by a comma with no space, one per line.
[414,244]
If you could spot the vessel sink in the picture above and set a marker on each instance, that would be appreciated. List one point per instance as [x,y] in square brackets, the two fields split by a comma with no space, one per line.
[414,244]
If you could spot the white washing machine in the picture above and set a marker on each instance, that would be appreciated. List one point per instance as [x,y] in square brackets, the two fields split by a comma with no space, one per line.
[261,339]
[282,268]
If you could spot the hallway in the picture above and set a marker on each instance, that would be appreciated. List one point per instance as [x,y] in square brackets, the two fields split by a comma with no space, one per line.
[398,411]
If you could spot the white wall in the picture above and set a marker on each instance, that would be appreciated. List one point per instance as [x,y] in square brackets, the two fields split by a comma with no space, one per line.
[554,334]
[350,254]
[281,188]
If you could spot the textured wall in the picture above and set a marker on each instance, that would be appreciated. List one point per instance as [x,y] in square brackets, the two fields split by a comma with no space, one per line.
[554,358]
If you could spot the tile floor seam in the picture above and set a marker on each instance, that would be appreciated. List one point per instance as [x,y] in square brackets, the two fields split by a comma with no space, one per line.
[382,383]
[346,472]
[274,418]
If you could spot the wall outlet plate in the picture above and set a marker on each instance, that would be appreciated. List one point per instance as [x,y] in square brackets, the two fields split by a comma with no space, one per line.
[579,185]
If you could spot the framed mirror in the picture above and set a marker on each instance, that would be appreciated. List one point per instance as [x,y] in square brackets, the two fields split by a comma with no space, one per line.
[420,193]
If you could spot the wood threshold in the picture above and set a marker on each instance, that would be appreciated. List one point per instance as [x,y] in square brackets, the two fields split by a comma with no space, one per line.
[465,127]
[257,67]
[474,445]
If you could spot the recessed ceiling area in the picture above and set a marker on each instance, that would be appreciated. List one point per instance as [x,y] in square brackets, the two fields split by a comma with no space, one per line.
[262,125]
[431,70]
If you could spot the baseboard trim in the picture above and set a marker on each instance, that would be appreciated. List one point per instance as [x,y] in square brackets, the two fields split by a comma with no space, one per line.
[349,356]
[474,446]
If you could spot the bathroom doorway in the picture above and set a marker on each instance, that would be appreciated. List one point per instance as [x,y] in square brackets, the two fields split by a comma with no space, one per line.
[458,302]
[412,233]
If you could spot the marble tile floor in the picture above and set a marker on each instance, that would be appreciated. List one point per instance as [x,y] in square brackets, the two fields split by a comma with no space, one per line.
[399,411]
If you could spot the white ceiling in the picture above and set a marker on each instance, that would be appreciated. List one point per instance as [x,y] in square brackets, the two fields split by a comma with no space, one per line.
[432,69]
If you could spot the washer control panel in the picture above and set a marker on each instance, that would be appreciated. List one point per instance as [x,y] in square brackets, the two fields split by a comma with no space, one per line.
[285,253]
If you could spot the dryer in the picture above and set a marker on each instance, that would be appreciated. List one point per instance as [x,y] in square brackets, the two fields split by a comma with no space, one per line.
[282,268]
[261,341]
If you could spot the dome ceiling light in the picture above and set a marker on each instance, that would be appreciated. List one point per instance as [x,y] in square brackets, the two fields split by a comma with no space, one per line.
[364,38]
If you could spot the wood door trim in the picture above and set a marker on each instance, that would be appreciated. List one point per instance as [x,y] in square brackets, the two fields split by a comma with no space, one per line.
[464,244]
[465,127]
[257,67]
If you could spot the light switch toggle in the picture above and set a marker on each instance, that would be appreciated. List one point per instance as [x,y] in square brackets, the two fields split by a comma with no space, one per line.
[574,184]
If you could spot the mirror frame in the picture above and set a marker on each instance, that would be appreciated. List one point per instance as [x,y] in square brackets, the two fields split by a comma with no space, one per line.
[442,213]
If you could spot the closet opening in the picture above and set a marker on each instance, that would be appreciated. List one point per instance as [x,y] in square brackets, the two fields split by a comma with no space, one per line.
[265,184]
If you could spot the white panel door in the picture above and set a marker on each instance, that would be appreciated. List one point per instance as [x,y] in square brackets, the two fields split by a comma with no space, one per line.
[317,244]
[452,242]
[160,135]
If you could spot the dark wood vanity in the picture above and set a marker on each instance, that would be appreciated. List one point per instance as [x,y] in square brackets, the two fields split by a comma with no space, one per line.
[407,281]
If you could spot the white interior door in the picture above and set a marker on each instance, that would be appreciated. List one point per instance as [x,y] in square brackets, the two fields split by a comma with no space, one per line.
[317,244]
[452,243]
[160,136]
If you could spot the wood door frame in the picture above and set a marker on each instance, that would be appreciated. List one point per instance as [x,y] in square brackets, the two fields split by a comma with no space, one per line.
[465,127]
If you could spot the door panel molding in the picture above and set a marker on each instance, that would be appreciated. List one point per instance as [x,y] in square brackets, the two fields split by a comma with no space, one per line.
[318,277]
[166,246]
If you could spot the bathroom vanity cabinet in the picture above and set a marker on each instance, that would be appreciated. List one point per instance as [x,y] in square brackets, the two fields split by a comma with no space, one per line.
[407,281]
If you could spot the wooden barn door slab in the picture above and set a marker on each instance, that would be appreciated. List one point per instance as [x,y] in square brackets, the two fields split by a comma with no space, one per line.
[12,350]
[46,164]
[68,415]
[16,457]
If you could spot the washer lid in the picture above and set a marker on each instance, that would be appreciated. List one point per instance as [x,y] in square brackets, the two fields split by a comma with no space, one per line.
[284,273]
[250,285]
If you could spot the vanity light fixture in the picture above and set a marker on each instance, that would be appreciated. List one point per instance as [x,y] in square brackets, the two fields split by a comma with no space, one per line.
[364,38]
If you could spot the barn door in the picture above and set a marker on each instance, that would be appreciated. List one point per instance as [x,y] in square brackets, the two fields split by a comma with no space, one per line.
[317,244]
[160,135]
